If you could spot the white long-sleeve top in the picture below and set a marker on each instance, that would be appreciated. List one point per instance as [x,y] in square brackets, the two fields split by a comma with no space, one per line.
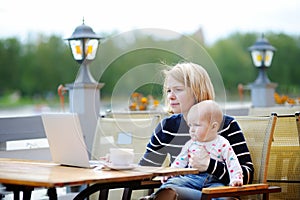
[219,149]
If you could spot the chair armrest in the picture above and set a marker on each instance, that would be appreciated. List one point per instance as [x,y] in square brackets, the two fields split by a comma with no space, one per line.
[230,191]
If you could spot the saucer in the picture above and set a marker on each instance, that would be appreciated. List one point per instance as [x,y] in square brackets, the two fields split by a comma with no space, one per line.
[120,167]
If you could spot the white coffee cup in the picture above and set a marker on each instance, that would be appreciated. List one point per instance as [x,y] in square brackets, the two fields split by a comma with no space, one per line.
[121,156]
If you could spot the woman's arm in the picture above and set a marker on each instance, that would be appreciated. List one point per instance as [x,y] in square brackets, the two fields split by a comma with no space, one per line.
[154,156]
[166,139]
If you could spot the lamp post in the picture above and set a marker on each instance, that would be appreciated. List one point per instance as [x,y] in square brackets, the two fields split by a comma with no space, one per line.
[262,89]
[84,93]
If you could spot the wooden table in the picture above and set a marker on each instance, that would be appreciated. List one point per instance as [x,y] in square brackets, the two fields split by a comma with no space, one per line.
[25,175]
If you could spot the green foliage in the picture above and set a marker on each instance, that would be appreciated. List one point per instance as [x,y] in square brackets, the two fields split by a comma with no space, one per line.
[130,60]
[235,64]
[36,67]
[10,52]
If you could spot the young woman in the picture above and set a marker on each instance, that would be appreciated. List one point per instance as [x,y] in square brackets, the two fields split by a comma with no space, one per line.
[185,85]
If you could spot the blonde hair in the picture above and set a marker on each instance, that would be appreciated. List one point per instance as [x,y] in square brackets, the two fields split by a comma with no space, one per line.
[193,76]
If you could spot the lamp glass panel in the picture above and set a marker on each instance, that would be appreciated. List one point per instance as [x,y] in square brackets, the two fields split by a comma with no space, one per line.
[257,58]
[91,47]
[268,58]
[76,46]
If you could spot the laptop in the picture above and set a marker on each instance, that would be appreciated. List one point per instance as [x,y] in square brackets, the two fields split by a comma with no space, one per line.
[66,142]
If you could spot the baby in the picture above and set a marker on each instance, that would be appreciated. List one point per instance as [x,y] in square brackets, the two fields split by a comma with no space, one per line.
[204,120]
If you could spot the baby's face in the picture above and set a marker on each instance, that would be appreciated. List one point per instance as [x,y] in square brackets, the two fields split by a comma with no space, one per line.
[200,128]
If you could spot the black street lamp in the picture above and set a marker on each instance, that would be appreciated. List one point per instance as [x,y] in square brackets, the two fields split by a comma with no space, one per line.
[262,54]
[84,93]
[262,89]
[84,44]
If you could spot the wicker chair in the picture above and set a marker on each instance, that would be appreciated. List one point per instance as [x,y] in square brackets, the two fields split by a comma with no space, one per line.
[258,132]
[297,116]
[284,165]
[124,133]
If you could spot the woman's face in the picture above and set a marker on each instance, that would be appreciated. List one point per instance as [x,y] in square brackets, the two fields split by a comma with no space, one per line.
[180,98]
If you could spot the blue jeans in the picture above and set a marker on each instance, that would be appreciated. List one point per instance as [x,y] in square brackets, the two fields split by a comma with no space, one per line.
[189,186]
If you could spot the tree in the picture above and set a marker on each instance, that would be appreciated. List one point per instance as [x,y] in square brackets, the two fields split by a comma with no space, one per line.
[39,65]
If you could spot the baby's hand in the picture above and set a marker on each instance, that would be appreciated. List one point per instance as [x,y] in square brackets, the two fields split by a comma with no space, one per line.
[105,158]
[237,183]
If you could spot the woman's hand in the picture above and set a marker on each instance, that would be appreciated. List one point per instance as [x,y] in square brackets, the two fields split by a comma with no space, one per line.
[164,179]
[199,159]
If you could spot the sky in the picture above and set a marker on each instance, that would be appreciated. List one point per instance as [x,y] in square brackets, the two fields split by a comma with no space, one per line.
[216,18]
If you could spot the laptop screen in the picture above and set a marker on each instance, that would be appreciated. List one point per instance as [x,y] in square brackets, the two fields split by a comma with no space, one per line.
[65,138]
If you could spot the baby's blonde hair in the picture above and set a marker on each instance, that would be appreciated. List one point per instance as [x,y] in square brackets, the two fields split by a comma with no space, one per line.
[193,76]
[211,110]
